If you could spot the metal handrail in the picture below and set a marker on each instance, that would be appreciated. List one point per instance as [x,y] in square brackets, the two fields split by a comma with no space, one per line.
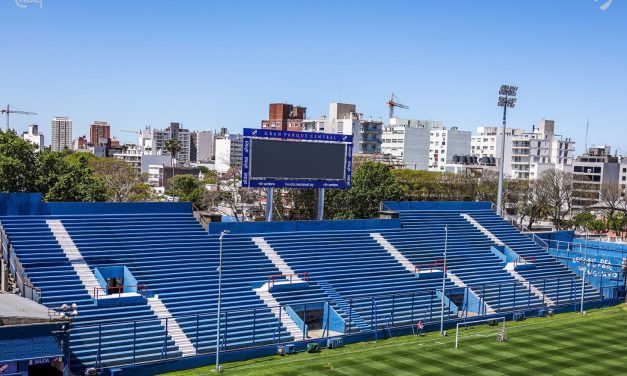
[524,229]
[430,267]
[272,279]
[141,289]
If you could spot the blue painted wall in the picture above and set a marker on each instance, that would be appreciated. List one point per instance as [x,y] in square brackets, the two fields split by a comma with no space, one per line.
[435,205]
[292,226]
[562,236]
[32,204]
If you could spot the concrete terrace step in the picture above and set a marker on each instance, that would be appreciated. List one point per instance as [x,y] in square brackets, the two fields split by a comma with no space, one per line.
[174,330]
[72,253]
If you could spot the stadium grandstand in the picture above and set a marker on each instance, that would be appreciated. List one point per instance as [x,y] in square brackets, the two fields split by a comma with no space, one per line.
[142,279]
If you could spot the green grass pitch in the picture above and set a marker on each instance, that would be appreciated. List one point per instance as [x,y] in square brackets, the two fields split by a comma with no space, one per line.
[565,344]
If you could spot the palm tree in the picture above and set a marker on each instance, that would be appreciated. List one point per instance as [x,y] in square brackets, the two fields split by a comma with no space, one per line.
[173,146]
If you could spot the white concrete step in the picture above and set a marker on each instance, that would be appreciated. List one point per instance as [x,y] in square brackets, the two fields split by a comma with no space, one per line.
[393,252]
[544,297]
[75,257]
[174,330]
[279,312]
[276,259]
[484,230]
[411,268]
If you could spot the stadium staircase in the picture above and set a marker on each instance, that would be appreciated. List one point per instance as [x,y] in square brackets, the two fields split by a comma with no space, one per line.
[412,268]
[550,277]
[72,253]
[469,258]
[357,268]
[179,261]
[99,336]
[368,276]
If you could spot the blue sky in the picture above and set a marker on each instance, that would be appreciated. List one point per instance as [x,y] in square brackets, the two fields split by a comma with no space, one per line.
[210,64]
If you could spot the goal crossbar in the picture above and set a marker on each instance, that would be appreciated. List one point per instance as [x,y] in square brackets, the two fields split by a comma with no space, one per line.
[502,335]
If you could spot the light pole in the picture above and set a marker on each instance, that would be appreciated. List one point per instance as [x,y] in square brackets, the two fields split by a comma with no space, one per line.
[443,280]
[507,98]
[585,269]
[218,366]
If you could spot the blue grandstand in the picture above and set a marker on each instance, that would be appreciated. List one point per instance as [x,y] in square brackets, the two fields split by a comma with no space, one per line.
[145,276]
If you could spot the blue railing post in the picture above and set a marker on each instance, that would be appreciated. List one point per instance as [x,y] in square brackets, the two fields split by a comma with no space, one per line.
[431,307]
[412,307]
[449,307]
[165,340]
[572,293]
[558,291]
[544,291]
[373,318]
[328,318]
[254,326]
[226,329]
[499,296]
[514,298]
[280,321]
[376,319]
[134,339]
[393,307]
[197,330]
[350,315]
[99,345]
[483,308]
[304,321]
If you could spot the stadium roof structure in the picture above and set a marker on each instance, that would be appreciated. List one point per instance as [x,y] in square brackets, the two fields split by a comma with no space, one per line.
[15,310]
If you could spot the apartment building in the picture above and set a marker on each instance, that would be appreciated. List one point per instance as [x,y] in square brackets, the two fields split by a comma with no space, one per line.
[527,154]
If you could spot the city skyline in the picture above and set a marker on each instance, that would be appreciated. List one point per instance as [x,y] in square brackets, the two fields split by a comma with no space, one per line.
[194,65]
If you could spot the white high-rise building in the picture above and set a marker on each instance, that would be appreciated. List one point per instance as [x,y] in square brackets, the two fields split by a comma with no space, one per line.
[344,119]
[152,141]
[228,152]
[527,154]
[444,144]
[424,144]
[61,133]
[34,136]
[203,142]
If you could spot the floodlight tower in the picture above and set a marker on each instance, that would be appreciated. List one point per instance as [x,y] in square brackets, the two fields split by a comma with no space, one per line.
[507,98]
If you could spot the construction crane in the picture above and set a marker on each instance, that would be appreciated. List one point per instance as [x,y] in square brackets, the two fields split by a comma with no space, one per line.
[127,131]
[9,110]
[393,102]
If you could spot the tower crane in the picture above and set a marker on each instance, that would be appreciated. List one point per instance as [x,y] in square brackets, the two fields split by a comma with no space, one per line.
[12,110]
[393,102]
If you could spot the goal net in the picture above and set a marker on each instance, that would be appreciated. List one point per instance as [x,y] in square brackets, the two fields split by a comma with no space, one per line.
[480,330]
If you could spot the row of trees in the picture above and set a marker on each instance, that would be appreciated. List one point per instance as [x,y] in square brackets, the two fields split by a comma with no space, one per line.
[66,176]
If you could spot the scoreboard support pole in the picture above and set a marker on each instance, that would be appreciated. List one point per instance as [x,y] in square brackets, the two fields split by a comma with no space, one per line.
[321,204]
[269,204]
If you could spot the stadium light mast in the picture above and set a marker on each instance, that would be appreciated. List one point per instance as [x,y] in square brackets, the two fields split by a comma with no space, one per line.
[218,366]
[443,280]
[507,98]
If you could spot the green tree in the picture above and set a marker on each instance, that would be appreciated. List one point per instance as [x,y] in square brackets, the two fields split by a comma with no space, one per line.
[582,221]
[372,183]
[17,158]
[173,146]
[77,183]
[189,189]
[121,181]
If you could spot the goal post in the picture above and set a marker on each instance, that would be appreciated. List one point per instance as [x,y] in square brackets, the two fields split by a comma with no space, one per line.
[497,322]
